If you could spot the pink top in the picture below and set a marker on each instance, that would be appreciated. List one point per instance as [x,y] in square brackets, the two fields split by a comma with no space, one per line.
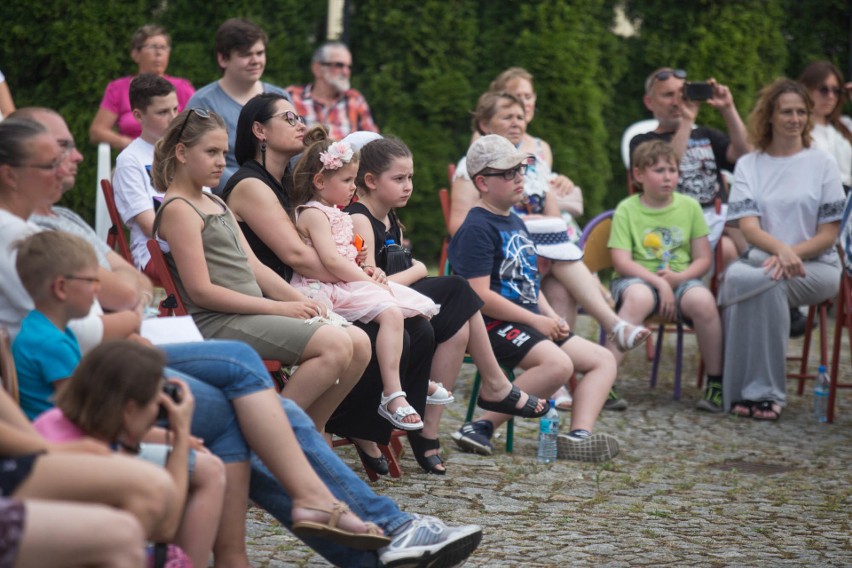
[117,101]
[53,425]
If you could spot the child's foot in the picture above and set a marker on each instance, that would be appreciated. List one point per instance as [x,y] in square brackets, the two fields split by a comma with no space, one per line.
[475,437]
[437,394]
[712,401]
[626,336]
[337,523]
[499,400]
[562,399]
[582,445]
[614,401]
[395,409]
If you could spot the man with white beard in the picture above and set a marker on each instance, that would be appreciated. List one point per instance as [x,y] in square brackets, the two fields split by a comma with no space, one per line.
[330,100]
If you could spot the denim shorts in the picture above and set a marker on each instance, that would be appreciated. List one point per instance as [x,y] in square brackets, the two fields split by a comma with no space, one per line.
[619,285]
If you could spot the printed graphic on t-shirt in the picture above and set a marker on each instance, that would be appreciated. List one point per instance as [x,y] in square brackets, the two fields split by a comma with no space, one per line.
[661,243]
[698,171]
[518,272]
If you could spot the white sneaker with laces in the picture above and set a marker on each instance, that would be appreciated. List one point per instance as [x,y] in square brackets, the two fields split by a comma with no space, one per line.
[426,542]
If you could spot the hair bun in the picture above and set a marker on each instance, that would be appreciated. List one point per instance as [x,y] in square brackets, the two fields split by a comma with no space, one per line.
[316,134]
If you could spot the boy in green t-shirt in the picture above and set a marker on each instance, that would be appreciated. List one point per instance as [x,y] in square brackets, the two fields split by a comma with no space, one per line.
[660,252]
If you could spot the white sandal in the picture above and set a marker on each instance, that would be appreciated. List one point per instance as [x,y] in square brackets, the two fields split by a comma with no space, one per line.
[625,341]
[440,396]
[399,414]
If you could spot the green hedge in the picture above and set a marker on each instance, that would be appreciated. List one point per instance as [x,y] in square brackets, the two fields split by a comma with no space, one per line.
[423,63]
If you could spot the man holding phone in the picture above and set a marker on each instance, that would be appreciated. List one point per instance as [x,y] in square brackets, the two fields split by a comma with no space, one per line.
[703,152]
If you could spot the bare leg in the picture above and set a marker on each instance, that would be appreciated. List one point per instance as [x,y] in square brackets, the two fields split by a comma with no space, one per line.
[388,352]
[132,485]
[314,386]
[559,299]
[267,431]
[577,279]
[229,550]
[699,305]
[637,303]
[599,370]
[546,367]
[203,509]
[60,534]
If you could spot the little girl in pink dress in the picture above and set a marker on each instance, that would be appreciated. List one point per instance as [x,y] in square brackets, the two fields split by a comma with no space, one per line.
[325,178]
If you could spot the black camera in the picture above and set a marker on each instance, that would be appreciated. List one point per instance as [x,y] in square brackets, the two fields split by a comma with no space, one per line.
[173,391]
[697,91]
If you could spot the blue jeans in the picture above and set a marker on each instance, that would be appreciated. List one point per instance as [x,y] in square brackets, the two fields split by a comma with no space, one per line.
[339,478]
[230,369]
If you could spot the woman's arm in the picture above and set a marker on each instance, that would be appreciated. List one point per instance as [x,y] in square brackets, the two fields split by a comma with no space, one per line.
[463,196]
[824,239]
[101,130]
[7,104]
[785,262]
[181,226]
[254,203]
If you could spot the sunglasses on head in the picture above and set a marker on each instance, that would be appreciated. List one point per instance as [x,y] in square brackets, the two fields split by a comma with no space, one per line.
[664,75]
[509,175]
[825,91]
[202,113]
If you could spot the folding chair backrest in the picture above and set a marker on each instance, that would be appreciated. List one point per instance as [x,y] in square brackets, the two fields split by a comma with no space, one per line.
[594,241]
[173,304]
[7,365]
[116,238]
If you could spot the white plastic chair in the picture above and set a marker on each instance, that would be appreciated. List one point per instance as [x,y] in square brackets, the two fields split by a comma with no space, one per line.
[640,127]
[102,220]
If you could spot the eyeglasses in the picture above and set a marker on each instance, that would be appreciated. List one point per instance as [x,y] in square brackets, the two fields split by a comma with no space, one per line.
[825,91]
[664,75]
[202,113]
[509,175]
[336,64]
[89,279]
[157,47]
[52,166]
[291,117]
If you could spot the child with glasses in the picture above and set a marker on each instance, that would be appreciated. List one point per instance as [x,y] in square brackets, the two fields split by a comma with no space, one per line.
[325,179]
[494,252]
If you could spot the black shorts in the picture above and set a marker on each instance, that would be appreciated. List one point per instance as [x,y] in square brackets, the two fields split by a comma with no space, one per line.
[13,472]
[511,341]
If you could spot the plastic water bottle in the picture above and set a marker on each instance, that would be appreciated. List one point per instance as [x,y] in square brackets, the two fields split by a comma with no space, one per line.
[822,384]
[548,430]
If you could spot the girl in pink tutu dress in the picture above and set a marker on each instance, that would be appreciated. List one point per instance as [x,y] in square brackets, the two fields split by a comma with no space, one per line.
[325,179]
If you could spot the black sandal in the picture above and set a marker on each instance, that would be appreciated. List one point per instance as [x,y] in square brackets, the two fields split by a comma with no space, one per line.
[379,464]
[421,445]
[747,405]
[766,406]
[508,405]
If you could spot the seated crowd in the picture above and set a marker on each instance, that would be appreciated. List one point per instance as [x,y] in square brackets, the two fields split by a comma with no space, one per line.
[276,212]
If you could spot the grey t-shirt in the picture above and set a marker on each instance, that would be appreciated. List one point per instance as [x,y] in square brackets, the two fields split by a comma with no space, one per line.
[213,97]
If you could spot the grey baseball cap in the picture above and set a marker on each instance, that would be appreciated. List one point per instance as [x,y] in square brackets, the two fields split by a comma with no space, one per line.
[493,151]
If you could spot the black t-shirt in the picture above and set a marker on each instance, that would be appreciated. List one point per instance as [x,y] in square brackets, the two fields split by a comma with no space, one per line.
[252,169]
[702,164]
[380,234]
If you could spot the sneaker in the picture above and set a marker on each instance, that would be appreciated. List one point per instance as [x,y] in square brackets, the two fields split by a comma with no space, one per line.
[426,542]
[712,401]
[475,437]
[594,448]
[614,402]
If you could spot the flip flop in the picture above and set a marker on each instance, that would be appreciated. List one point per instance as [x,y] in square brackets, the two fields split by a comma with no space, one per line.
[627,341]
[440,396]
[370,540]
[507,405]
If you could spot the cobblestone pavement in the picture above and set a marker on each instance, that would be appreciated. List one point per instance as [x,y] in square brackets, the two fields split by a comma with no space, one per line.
[688,489]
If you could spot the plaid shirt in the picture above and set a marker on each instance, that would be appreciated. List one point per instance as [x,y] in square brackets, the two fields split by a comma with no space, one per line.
[349,113]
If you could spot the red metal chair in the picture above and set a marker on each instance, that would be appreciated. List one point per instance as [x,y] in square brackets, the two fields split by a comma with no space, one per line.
[844,321]
[116,238]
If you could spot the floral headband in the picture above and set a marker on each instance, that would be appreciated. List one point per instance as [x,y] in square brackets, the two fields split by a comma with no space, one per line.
[338,153]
